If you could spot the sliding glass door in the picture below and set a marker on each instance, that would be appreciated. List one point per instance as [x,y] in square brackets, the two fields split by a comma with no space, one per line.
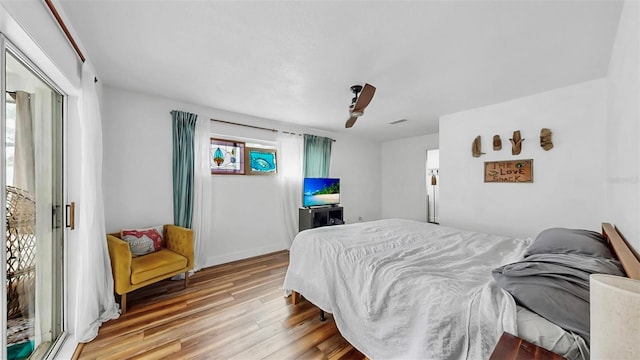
[33,189]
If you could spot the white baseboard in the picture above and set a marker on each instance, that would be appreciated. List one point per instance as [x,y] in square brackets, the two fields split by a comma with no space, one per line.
[240,255]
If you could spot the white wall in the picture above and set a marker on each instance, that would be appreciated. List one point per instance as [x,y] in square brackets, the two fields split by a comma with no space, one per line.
[568,187]
[403,172]
[247,218]
[356,162]
[30,26]
[623,131]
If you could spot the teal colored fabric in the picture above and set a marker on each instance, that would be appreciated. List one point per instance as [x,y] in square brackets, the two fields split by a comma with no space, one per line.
[20,351]
[317,156]
[184,128]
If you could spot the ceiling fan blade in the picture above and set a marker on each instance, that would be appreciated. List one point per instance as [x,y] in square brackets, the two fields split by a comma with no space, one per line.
[364,98]
[350,122]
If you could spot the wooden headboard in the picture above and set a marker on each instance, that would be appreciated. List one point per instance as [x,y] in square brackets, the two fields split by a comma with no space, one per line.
[630,262]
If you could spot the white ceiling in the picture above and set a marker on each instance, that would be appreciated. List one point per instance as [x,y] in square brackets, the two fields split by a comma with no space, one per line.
[295,61]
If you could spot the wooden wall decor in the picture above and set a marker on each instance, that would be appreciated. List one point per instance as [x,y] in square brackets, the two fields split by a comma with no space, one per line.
[511,171]
[545,139]
[497,143]
[516,143]
[476,147]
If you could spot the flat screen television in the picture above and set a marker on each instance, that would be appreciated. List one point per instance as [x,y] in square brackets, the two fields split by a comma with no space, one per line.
[320,192]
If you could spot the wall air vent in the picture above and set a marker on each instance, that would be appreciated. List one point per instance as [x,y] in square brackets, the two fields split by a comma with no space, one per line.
[398,121]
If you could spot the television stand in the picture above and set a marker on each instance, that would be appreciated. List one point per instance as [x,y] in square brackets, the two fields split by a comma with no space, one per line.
[313,217]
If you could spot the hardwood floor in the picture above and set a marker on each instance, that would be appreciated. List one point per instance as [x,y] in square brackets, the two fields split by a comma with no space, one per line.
[230,311]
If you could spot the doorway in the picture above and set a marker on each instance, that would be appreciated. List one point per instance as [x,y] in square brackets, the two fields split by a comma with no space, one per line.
[33,187]
[433,189]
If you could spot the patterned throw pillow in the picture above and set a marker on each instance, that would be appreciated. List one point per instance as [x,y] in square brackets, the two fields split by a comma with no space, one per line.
[143,241]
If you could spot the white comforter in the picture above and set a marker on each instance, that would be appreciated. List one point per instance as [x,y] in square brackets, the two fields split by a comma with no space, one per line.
[407,289]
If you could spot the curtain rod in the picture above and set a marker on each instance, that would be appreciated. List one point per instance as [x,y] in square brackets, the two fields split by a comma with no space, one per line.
[258,127]
[56,15]
[245,125]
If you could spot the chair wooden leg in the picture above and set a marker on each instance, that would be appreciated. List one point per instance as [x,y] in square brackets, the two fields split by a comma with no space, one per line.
[295,298]
[186,279]
[123,303]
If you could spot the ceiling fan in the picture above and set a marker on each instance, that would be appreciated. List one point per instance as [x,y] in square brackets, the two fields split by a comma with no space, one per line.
[362,98]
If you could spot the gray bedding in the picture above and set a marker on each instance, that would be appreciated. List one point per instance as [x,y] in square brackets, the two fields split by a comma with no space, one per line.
[556,286]
[570,241]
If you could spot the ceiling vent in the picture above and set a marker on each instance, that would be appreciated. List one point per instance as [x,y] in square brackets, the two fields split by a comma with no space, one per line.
[398,121]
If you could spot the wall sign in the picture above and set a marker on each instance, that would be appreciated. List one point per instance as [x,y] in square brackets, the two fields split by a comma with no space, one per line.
[512,171]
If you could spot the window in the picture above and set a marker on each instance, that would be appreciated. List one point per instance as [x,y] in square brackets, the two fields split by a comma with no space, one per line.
[226,157]
[261,161]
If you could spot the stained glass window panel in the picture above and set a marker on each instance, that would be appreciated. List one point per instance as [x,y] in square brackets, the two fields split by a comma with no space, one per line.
[226,157]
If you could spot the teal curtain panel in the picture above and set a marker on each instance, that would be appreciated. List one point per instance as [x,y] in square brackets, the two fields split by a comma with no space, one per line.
[317,156]
[184,125]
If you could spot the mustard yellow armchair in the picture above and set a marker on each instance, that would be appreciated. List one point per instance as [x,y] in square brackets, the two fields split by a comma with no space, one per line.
[131,273]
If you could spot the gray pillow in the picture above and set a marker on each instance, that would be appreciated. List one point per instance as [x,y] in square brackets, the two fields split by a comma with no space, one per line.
[569,241]
[556,286]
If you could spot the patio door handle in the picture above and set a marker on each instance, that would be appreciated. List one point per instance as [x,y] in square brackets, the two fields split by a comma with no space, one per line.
[70,218]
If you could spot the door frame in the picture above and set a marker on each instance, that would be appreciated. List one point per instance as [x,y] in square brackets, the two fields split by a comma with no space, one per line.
[59,252]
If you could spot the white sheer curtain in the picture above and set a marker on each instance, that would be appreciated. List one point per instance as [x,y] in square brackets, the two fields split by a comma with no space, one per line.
[24,156]
[95,302]
[290,149]
[202,214]
[24,178]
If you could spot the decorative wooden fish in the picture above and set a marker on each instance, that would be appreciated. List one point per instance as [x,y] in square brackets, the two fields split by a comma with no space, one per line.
[545,139]
[516,143]
[497,143]
[476,147]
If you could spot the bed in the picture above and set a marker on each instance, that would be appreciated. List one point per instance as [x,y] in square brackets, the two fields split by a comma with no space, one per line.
[407,289]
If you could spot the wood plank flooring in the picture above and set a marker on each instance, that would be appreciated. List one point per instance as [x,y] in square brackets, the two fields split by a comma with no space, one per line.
[230,311]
